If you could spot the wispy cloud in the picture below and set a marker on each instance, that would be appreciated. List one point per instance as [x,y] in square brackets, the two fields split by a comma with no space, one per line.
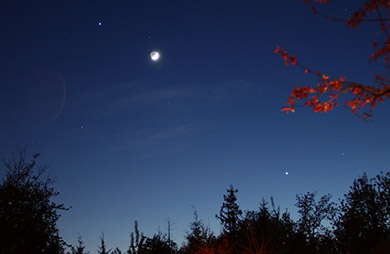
[163,94]
[162,135]
[139,93]
[149,137]
[136,113]
[186,93]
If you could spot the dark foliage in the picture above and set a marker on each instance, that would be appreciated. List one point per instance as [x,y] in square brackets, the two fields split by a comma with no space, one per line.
[28,216]
[137,240]
[80,248]
[364,223]
[116,251]
[200,239]
[315,236]
[360,224]
[102,249]
[140,244]
[158,244]
[265,231]
[230,213]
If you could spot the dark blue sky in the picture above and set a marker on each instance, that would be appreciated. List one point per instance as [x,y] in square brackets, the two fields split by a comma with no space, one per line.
[131,139]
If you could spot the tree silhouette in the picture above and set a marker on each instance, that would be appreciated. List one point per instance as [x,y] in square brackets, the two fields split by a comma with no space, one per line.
[200,239]
[102,247]
[116,251]
[80,248]
[331,87]
[266,230]
[364,221]
[137,240]
[28,216]
[159,244]
[310,223]
[230,213]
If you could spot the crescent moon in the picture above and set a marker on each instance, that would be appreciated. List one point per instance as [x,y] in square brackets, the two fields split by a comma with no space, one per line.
[154,55]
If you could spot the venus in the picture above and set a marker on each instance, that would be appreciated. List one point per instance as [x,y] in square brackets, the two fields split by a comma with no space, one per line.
[154,55]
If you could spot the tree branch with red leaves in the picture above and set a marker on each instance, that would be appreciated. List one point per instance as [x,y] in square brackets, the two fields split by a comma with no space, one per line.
[361,98]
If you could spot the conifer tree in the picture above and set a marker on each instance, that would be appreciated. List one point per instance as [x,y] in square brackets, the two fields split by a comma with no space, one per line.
[230,213]
[80,248]
[102,247]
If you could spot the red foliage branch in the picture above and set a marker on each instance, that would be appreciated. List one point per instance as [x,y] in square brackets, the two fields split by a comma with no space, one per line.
[333,88]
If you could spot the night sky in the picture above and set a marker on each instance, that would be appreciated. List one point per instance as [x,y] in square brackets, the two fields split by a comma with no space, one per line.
[132,139]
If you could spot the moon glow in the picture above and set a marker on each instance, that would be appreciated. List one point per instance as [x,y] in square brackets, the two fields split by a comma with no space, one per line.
[154,55]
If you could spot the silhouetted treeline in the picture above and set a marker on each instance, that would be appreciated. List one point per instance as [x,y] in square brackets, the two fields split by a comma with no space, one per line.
[358,224]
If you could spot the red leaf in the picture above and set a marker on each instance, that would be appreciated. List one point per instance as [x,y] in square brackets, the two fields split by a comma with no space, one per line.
[293,60]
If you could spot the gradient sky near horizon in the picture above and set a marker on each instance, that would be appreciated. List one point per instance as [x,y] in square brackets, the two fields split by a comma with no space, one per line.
[132,139]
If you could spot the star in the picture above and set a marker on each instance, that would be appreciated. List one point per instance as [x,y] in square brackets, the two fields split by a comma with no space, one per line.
[100,23]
